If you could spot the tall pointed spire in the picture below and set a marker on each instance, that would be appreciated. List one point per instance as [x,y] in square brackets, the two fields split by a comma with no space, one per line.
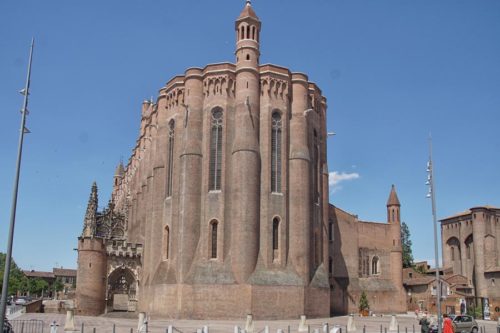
[393,198]
[89,223]
[393,207]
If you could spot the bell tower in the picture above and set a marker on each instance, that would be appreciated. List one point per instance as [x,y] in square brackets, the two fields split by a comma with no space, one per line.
[393,207]
[247,38]
[245,154]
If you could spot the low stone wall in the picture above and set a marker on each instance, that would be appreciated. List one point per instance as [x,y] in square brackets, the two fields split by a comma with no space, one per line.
[35,306]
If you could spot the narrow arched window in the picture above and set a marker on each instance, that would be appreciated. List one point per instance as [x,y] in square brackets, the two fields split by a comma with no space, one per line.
[330,231]
[242,35]
[316,171]
[166,242]
[170,157]
[215,168]
[276,226]
[276,152]
[276,235]
[253,32]
[213,239]
[248,32]
[452,250]
[330,265]
[375,269]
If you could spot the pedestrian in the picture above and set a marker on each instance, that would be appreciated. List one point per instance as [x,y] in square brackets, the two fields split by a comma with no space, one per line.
[447,324]
[424,324]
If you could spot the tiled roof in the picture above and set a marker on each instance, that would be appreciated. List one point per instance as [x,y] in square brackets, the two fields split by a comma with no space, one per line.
[37,274]
[248,12]
[419,281]
[468,211]
[64,272]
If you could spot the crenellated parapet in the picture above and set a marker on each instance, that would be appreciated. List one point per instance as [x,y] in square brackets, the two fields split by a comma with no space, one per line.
[124,249]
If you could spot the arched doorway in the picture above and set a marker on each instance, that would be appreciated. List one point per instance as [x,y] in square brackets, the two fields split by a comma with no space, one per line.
[122,287]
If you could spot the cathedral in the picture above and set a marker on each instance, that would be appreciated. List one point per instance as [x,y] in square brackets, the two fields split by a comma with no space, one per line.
[223,207]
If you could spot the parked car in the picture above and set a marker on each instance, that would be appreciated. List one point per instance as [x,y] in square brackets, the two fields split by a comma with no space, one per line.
[461,324]
[22,300]
[465,324]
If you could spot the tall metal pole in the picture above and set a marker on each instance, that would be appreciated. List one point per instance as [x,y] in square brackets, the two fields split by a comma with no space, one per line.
[23,130]
[432,193]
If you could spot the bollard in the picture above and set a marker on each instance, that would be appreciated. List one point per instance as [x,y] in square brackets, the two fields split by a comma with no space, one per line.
[82,328]
[288,328]
[380,328]
[170,329]
[93,330]
[413,328]
[69,324]
[364,328]
[385,329]
[266,329]
[114,328]
[398,328]
[279,330]
[205,329]
[198,330]
[406,329]
[131,330]
[325,328]
[236,329]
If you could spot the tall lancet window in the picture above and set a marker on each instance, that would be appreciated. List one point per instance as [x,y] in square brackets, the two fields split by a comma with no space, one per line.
[213,239]
[170,157]
[166,243]
[276,152]
[276,238]
[215,171]
[317,171]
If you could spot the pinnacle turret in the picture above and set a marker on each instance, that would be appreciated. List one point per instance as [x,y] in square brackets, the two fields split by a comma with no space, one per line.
[119,172]
[89,223]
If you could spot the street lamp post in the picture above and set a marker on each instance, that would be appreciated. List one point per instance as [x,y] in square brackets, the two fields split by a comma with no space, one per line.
[431,194]
[23,130]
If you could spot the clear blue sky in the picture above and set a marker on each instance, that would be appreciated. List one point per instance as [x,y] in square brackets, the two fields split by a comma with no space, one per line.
[392,70]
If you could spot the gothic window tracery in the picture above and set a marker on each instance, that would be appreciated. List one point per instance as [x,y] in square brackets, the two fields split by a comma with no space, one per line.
[171,137]
[375,266]
[215,168]
[276,152]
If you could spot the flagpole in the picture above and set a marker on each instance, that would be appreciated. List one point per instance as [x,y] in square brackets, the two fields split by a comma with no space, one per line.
[23,130]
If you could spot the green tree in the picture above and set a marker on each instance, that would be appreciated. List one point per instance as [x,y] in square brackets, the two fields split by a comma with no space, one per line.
[17,279]
[406,246]
[36,286]
[58,285]
[363,302]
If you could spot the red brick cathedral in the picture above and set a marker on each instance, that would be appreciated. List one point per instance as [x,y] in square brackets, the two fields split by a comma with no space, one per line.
[223,210]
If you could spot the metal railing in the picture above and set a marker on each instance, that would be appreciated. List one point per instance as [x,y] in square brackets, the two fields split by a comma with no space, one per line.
[27,326]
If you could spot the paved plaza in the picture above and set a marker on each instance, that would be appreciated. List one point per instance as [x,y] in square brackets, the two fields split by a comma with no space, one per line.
[104,324]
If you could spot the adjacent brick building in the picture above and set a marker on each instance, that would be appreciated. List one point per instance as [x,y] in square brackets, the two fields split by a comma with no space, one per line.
[226,196]
[471,247]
